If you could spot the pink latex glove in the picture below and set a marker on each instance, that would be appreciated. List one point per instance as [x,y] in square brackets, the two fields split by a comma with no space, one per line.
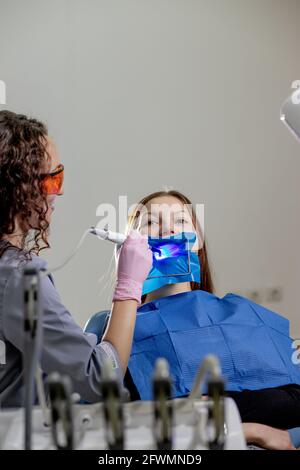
[134,264]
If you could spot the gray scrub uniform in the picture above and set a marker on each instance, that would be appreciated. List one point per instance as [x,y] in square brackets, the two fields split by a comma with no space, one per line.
[65,347]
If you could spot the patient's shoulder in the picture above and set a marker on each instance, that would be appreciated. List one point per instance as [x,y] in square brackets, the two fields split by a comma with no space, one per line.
[267,316]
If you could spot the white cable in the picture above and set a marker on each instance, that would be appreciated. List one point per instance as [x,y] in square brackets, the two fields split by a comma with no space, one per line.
[114,237]
[71,255]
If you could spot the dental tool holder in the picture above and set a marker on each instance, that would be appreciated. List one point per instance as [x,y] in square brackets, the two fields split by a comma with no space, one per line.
[184,423]
[190,430]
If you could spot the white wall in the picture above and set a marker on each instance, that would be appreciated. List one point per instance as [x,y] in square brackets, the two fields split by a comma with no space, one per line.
[143,94]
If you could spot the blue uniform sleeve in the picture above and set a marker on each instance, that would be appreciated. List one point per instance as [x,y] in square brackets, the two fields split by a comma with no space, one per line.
[65,347]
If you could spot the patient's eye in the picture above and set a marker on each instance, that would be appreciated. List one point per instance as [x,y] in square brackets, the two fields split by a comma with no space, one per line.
[152,222]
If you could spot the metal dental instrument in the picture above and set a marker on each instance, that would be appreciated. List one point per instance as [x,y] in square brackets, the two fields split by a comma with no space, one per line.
[112,407]
[216,413]
[209,365]
[32,343]
[290,113]
[216,416]
[62,424]
[42,396]
[163,409]
[103,234]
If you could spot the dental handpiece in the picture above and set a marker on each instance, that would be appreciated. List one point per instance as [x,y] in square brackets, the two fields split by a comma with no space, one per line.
[112,407]
[216,415]
[103,234]
[163,409]
[62,421]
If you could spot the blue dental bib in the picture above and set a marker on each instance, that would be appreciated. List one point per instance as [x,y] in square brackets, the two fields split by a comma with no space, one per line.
[251,342]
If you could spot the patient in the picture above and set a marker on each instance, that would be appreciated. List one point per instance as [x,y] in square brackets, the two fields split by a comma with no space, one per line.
[183,320]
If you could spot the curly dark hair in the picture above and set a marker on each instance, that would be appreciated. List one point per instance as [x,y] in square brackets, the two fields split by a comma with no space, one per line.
[23,160]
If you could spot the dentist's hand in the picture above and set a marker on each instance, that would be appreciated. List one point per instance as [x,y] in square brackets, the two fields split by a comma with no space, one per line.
[134,264]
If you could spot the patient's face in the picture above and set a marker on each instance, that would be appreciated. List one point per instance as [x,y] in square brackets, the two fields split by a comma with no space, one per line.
[165,216]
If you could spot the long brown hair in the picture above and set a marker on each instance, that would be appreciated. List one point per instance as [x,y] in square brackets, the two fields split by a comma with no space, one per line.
[23,156]
[206,277]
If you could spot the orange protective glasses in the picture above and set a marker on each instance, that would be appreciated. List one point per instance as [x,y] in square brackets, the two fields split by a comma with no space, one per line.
[52,182]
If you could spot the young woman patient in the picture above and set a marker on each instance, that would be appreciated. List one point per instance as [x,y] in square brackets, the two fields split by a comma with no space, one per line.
[182,320]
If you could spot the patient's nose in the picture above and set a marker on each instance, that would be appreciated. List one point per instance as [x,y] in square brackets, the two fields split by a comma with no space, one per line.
[166,232]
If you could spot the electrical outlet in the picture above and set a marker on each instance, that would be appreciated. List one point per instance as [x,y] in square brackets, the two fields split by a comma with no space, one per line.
[268,295]
[274,294]
[256,295]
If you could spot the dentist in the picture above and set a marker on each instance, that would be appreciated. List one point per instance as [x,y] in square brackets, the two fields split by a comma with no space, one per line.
[31,177]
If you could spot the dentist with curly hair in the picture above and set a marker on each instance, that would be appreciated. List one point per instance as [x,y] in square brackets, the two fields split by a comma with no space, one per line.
[31,178]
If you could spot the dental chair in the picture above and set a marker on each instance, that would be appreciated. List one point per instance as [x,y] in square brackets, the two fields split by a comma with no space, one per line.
[97,323]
